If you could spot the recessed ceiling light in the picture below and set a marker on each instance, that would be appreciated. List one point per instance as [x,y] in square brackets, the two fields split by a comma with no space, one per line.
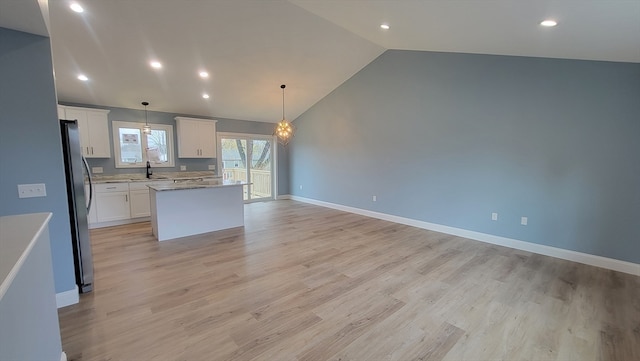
[203,74]
[384,26]
[156,64]
[549,23]
[76,7]
[82,77]
[205,95]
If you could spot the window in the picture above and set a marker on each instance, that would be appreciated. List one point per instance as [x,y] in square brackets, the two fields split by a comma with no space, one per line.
[133,148]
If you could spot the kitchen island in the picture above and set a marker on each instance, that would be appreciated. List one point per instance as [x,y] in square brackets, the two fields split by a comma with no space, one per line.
[190,208]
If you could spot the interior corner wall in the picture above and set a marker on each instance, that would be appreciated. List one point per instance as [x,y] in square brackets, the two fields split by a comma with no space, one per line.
[450,138]
[30,144]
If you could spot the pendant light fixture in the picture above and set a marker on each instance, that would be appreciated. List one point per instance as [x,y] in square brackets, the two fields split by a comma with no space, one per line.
[146,129]
[284,129]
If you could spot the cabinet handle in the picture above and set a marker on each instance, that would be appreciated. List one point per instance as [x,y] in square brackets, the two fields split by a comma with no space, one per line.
[126,198]
[91,150]
[111,187]
[87,151]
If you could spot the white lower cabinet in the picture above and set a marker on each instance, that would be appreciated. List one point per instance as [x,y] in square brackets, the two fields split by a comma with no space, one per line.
[112,202]
[118,203]
[139,193]
[140,203]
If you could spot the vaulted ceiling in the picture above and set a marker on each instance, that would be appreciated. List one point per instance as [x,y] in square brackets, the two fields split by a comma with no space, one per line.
[250,47]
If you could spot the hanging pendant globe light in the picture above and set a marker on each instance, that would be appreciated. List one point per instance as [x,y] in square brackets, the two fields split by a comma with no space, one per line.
[146,129]
[284,129]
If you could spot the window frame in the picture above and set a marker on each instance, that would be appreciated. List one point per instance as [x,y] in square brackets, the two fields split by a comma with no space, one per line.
[168,128]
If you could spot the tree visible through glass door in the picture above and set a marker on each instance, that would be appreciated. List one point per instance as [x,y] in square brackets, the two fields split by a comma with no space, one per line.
[249,160]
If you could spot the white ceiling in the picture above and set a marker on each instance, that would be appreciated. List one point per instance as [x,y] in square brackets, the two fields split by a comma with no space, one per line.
[28,16]
[250,47]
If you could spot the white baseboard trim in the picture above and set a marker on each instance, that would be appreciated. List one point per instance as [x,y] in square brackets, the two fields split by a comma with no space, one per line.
[589,259]
[67,298]
[63,356]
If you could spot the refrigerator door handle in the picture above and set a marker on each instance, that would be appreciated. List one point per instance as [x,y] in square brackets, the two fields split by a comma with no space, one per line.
[86,166]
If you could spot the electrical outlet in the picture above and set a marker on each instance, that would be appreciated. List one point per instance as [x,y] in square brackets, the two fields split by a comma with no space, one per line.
[212,167]
[494,216]
[32,190]
[374,198]
[183,167]
[524,221]
[97,170]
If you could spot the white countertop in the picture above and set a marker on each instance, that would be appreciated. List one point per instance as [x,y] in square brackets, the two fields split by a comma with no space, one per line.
[214,183]
[17,236]
[159,176]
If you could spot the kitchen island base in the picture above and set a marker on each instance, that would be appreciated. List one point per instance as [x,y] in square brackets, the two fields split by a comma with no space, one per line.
[185,212]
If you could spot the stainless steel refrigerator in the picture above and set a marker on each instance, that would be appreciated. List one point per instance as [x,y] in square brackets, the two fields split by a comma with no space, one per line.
[76,169]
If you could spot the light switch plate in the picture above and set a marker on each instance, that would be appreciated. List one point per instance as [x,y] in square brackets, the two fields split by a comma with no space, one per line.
[97,170]
[183,167]
[212,167]
[32,190]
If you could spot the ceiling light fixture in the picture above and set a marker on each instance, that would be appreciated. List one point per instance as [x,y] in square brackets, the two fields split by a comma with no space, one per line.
[203,74]
[146,129]
[76,7]
[284,129]
[205,95]
[384,26]
[82,77]
[156,64]
[549,23]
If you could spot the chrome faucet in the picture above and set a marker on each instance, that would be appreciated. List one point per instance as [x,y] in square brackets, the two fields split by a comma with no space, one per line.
[149,171]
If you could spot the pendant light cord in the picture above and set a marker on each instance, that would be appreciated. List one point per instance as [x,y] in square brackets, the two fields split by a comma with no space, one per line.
[282,86]
[146,121]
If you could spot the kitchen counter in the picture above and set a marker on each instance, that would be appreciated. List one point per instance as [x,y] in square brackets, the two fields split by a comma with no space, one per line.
[18,235]
[29,327]
[190,208]
[195,185]
[141,177]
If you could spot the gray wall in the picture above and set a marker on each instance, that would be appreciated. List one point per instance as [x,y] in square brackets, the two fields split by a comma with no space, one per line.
[223,125]
[30,145]
[449,138]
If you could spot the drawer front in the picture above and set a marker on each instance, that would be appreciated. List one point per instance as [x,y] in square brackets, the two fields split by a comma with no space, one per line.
[112,187]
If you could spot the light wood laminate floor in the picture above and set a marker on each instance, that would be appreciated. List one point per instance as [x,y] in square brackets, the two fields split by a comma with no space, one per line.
[301,282]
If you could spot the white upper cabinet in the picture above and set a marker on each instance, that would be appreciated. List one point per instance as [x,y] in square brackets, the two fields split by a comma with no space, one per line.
[93,125]
[196,137]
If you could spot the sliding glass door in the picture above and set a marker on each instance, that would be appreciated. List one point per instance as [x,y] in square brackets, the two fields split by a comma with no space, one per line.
[249,158]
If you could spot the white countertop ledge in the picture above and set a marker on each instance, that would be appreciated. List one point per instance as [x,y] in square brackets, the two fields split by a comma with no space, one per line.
[159,176]
[17,236]
[215,183]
